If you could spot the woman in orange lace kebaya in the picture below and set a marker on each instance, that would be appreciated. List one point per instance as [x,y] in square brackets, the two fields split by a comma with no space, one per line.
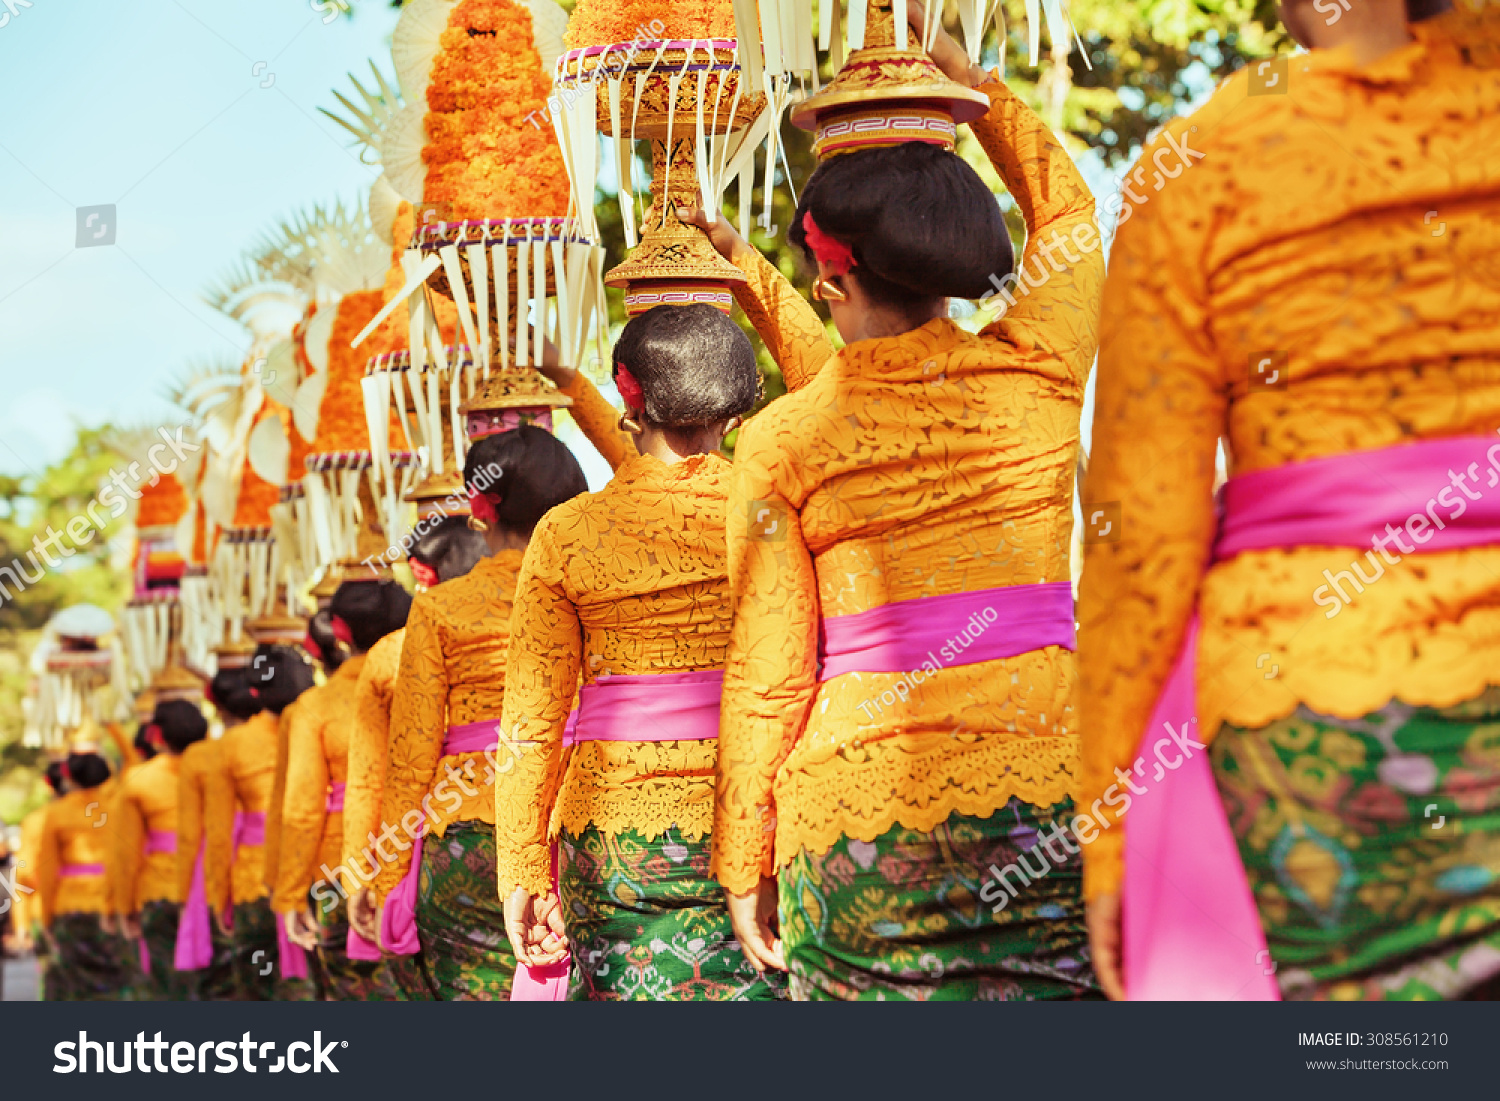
[898,723]
[444,719]
[624,592]
[1317,293]
[312,834]
[275,678]
[446,550]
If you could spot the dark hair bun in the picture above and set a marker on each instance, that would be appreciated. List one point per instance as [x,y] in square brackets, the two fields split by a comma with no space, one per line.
[372,609]
[694,364]
[449,547]
[181,724]
[230,692]
[87,770]
[320,630]
[528,471]
[278,675]
[921,222]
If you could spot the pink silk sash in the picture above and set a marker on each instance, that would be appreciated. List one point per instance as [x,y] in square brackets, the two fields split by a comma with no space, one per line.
[936,632]
[73,871]
[249,828]
[195,939]
[1191,930]
[398,918]
[651,707]
[292,957]
[335,802]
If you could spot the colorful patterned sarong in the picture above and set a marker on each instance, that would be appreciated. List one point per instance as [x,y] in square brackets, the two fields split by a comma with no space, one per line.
[347,980]
[466,954]
[646,921]
[89,966]
[901,917]
[163,982]
[257,965]
[1372,847]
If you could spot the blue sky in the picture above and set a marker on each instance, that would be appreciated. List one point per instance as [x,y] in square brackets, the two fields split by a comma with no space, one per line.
[198,120]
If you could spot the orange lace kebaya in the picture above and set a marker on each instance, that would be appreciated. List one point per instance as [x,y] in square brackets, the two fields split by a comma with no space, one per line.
[452,673]
[317,758]
[1322,281]
[925,464]
[248,759]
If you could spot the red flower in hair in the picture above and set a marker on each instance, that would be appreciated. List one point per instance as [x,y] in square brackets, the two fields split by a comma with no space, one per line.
[832,253]
[482,506]
[310,644]
[629,387]
[426,576]
[342,632]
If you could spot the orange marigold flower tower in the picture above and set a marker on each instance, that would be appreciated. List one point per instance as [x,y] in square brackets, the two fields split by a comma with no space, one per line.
[673,73]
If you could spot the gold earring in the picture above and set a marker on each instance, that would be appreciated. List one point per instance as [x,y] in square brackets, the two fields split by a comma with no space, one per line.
[629,424]
[476,524]
[732,423]
[825,290]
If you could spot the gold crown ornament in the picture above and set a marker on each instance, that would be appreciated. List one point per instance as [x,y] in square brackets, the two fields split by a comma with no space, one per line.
[236,654]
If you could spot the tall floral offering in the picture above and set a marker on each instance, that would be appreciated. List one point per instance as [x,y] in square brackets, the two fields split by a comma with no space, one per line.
[671,73]
[497,236]
[78,676]
[149,616]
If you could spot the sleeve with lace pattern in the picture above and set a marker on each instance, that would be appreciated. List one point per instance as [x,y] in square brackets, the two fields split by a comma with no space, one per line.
[127,844]
[218,828]
[598,420]
[770,673]
[1160,409]
[303,811]
[1051,302]
[368,748]
[48,868]
[419,722]
[278,793]
[541,679]
[189,815]
[792,330]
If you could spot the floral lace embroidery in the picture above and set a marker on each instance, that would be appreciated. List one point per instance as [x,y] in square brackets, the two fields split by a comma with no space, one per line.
[1291,294]
[930,463]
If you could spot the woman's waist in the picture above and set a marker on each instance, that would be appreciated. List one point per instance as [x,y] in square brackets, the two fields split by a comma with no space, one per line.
[862,574]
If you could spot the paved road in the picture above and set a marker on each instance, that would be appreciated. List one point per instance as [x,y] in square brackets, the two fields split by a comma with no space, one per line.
[20,980]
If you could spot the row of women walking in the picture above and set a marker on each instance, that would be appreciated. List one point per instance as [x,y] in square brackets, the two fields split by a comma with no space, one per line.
[823,722]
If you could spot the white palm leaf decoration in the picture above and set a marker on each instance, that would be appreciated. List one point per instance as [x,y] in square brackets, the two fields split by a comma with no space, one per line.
[269,307]
[325,252]
[415,42]
[369,117]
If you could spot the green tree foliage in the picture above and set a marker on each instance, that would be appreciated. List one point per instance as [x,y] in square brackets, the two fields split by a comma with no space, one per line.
[95,572]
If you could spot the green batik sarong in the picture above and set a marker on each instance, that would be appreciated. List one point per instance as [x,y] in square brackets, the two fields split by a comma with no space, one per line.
[346,980]
[218,981]
[88,967]
[163,982]
[1373,847]
[466,954]
[647,922]
[257,960]
[901,918]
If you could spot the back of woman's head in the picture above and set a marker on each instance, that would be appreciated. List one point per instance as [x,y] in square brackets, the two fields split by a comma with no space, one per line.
[449,548]
[370,609]
[229,691]
[87,770]
[920,222]
[278,675]
[56,775]
[321,636]
[524,473]
[181,724]
[142,741]
[695,366]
